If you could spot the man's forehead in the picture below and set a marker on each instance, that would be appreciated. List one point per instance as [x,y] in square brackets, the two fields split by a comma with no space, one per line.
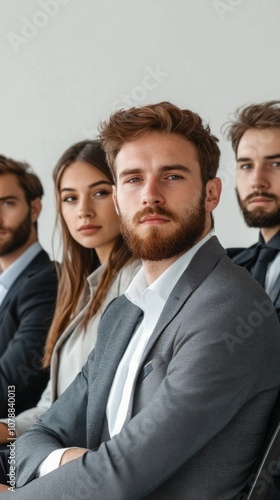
[254,143]
[165,149]
[10,185]
[261,137]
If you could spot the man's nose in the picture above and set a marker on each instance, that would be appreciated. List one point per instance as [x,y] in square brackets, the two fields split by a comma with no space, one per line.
[259,179]
[152,193]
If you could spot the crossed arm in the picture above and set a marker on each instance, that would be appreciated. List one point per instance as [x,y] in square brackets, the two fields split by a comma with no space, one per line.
[129,464]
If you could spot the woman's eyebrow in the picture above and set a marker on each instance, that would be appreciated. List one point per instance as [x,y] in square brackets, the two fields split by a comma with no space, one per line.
[94,184]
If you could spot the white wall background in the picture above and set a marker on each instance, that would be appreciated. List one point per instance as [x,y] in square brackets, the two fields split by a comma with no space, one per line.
[66,64]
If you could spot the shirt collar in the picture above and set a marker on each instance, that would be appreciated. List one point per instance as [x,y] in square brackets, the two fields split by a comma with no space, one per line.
[166,281]
[8,277]
[94,278]
[274,242]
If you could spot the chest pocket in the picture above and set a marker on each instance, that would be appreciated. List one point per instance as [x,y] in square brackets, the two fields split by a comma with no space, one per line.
[149,379]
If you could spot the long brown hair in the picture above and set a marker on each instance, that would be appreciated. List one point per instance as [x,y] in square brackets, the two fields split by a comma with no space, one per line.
[78,262]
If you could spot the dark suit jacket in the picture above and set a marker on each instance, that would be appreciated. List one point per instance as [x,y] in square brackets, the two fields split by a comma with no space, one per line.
[244,257]
[205,387]
[25,317]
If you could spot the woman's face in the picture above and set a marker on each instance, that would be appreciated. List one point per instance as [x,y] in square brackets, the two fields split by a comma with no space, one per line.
[88,209]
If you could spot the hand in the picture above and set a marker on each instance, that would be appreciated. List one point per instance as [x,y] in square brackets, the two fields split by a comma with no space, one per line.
[3,487]
[72,454]
[3,433]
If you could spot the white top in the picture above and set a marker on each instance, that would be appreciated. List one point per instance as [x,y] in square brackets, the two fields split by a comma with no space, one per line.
[75,350]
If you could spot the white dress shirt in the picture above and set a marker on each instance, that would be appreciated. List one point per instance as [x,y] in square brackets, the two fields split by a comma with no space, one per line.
[272,274]
[151,299]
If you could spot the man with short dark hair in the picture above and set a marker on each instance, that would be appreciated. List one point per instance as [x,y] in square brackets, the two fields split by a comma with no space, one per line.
[174,401]
[28,286]
[255,137]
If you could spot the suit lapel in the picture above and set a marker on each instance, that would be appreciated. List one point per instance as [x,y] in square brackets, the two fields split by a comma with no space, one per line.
[117,335]
[200,266]
[10,292]
[122,332]
[42,256]
[55,354]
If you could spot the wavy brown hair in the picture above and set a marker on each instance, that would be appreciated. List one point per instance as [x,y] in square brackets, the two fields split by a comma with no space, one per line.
[258,116]
[127,125]
[78,262]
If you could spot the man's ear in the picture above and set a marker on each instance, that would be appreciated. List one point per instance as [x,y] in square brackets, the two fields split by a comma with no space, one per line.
[213,193]
[36,207]
[114,196]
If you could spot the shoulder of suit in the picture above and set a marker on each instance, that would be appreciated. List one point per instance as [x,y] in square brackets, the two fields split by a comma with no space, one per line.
[239,255]
[42,265]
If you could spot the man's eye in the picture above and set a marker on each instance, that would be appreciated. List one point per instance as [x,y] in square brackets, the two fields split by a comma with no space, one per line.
[246,166]
[133,180]
[276,164]
[174,177]
[9,203]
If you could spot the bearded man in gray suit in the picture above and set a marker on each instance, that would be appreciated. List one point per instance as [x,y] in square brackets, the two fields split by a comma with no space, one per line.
[175,399]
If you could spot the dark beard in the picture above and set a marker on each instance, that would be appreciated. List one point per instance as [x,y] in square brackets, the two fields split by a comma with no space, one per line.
[258,217]
[157,246]
[19,237]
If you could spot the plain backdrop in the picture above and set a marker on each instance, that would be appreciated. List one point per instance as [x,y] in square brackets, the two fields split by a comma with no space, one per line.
[67,64]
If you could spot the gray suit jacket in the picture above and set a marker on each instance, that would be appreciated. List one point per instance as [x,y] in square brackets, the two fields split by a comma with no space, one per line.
[205,388]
